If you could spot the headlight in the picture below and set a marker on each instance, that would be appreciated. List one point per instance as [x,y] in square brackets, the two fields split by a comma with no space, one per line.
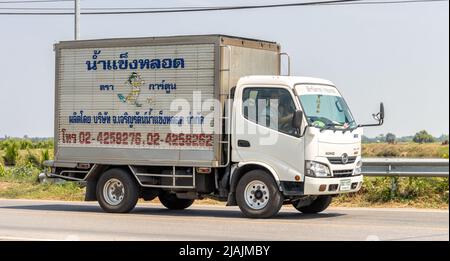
[358,169]
[316,169]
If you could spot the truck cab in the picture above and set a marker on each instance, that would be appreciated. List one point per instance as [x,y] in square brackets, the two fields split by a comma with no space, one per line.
[301,131]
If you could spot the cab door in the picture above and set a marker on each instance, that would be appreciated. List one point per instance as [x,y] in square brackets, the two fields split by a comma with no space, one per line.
[263,131]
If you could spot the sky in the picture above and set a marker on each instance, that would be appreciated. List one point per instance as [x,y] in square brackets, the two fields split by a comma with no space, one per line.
[397,54]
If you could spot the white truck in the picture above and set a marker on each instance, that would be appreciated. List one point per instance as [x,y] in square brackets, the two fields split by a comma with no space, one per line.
[191,117]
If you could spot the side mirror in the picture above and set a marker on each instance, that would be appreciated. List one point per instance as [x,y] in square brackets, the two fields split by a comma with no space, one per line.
[297,120]
[378,117]
[381,114]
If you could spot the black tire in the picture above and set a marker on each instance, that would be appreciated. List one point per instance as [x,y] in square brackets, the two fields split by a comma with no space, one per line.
[318,205]
[274,200]
[130,188]
[170,201]
[149,194]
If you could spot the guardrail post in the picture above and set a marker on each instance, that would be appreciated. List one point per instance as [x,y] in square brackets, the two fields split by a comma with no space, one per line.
[394,186]
[394,182]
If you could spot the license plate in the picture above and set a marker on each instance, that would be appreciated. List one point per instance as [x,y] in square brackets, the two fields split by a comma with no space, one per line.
[345,185]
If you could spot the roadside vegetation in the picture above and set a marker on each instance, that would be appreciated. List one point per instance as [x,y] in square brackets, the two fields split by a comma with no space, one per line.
[405,150]
[21,161]
[407,192]
[22,182]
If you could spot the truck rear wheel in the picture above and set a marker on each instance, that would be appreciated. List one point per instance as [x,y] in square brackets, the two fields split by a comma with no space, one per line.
[117,191]
[318,205]
[171,201]
[258,196]
[149,194]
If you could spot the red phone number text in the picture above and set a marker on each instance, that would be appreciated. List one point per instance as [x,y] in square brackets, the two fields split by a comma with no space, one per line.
[136,138]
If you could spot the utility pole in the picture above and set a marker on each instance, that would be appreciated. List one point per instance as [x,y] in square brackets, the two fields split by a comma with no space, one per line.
[77,19]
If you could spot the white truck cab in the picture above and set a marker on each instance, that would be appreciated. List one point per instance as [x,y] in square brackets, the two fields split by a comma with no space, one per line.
[301,131]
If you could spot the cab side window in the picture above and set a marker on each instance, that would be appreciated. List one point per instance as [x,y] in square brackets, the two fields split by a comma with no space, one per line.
[270,107]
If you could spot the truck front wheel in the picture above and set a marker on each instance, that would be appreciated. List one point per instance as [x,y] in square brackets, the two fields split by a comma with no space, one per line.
[318,205]
[117,191]
[170,201]
[258,196]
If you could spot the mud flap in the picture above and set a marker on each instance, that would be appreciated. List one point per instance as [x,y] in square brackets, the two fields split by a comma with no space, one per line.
[231,199]
[91,194]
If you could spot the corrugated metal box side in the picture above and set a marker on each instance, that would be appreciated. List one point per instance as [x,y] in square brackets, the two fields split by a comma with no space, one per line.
[240,57]
[116,112]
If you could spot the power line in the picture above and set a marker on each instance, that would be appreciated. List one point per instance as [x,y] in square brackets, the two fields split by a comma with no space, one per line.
[95,8]
[389,2]
[34,1]
[102,8]
[110,8]
[201,7]
[219,8]
[227,8]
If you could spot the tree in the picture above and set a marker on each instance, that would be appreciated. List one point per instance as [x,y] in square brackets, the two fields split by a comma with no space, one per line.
[380,138]
[423,137]
[443,138]
[11,152]
[390,138]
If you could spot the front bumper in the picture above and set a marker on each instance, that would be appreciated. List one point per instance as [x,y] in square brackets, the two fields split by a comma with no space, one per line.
[331,186]
[321,186]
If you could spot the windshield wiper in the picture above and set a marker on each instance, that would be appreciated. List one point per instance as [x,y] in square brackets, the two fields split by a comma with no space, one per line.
[328,127]
[334,125]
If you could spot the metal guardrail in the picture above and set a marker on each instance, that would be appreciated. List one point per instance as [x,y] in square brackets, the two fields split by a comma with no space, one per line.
[405,167]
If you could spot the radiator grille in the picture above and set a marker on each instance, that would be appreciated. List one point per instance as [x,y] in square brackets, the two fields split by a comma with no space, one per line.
[343,173]
[338,160]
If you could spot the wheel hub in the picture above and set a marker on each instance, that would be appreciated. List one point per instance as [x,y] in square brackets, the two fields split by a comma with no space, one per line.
[113,192]
[256,194]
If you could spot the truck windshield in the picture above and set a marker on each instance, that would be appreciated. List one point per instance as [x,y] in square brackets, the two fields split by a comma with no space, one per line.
[327,111]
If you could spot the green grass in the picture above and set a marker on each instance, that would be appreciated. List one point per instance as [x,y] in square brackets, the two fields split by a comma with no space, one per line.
[410,192]
[19,190]
[21,182]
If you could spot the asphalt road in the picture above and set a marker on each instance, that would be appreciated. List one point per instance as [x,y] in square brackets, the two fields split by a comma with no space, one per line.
[57,220]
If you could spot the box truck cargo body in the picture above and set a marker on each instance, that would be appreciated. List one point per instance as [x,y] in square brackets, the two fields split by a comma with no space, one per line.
[188,117]
[113,97]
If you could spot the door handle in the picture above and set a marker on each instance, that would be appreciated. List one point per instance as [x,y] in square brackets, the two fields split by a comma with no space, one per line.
[243,143]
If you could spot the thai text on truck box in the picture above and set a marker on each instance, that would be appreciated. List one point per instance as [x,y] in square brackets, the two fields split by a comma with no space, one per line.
[122,96]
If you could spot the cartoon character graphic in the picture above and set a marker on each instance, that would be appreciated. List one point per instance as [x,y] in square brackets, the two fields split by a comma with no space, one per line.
[135,82]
